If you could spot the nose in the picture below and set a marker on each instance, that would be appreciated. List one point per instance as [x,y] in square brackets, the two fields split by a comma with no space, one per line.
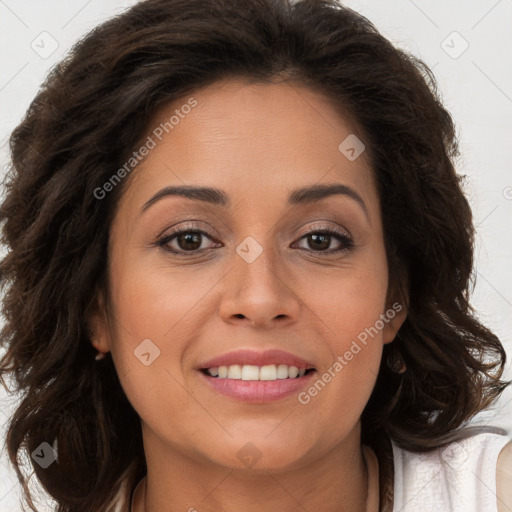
[259,292]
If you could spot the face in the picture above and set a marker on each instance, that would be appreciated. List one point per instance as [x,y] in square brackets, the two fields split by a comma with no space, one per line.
[264,269]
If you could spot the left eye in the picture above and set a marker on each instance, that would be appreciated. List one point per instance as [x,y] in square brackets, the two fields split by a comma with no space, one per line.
[320,240]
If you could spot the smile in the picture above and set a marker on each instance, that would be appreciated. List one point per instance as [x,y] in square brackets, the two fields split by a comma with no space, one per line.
[252,372]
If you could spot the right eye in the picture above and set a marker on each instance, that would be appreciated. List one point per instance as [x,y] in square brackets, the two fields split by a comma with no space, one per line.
[186,239]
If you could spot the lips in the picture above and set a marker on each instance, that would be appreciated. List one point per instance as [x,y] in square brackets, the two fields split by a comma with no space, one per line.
[255,358]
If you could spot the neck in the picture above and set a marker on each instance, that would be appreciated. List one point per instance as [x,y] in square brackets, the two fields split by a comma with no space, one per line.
[344,480]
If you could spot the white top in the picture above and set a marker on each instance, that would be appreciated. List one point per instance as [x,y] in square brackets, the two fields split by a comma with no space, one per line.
[460,477]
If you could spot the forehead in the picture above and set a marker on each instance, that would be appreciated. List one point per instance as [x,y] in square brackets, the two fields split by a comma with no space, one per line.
[257,141]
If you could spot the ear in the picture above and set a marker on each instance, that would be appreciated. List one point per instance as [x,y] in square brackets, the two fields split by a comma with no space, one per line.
[98,323]
[397,306]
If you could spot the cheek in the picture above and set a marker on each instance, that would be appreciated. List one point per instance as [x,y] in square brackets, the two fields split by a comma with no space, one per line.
[166,307]
[156,302]
[344,384]
[349,304]
[350,299]
[155,310]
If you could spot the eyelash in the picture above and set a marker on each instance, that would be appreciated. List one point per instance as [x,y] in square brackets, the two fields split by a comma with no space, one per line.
[343,238]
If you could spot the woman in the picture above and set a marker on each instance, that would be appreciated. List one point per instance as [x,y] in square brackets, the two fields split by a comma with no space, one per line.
[249,212]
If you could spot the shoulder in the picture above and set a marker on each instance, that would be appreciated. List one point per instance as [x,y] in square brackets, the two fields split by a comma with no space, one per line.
[464,474]
[503,479]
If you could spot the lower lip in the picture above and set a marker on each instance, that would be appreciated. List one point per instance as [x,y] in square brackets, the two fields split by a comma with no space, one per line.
[258,391]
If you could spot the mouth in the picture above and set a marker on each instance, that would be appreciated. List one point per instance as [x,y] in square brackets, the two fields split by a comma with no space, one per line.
[271,385]
[257,377]
[272,372]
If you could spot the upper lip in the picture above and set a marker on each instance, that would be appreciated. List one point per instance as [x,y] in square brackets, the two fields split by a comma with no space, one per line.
[256,358]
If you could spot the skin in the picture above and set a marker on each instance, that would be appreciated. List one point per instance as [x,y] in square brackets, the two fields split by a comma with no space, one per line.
[257,142]
[503,479]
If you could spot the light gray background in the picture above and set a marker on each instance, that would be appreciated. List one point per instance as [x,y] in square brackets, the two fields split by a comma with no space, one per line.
[476,86]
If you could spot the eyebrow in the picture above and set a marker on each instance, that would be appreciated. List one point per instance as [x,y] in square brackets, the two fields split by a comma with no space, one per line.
[300,196]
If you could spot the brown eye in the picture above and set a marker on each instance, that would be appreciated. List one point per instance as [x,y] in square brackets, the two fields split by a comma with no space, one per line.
[189,240]
[321,239]
[185,240]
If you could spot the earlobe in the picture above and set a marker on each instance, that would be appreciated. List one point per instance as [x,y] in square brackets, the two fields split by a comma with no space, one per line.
[97,323]
[100,344]
[397,304]
[395,317]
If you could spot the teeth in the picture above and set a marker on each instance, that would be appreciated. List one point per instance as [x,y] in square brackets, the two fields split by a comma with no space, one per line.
[282,371]
[251,372]
[266,372]
[293,371]
[234,371]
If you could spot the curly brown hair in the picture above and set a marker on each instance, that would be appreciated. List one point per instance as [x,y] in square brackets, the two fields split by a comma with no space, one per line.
[91,112]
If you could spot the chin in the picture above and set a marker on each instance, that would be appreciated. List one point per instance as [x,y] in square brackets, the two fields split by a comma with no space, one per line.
[260,456]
